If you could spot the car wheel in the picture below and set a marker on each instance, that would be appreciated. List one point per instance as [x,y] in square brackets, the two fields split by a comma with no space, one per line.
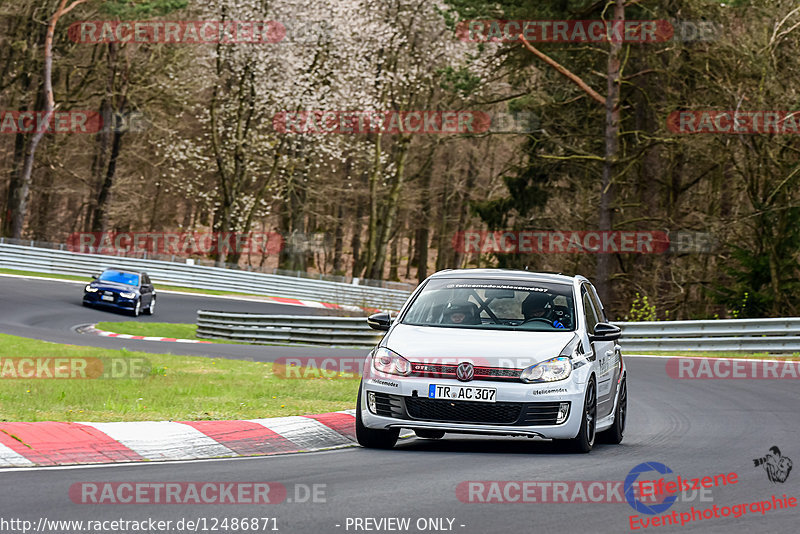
[373,438]
[584,441]
[151,310]
[429,434]
[137,309]
[614,434]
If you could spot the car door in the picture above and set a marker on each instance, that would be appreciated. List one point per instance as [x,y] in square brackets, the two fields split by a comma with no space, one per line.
[615,365]
[146,290]
[604,353]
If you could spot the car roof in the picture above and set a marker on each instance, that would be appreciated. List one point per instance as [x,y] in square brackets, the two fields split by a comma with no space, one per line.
[507,274]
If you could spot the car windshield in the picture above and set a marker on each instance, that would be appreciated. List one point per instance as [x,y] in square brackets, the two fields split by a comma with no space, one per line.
[129,279]
[493,304]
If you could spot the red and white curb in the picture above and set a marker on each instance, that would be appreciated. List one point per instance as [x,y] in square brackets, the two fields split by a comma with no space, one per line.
[54,443]
[92,329]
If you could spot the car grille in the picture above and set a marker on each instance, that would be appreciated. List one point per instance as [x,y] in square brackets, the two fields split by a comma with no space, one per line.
[438,370]
[389,405]
[498,413]
[540,413]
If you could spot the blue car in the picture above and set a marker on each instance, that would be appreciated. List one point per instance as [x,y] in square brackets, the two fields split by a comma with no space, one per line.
[125,290]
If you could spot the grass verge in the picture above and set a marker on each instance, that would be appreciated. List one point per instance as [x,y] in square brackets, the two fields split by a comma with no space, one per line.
[178,388]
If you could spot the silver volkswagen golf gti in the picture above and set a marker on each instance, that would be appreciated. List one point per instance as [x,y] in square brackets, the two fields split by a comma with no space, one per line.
[499,352]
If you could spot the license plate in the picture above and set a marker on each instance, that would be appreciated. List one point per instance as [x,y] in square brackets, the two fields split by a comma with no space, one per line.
[108,297]
[462,393]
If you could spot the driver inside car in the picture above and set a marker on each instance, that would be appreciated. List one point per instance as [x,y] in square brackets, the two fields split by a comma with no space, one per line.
[539,306]
[461,313]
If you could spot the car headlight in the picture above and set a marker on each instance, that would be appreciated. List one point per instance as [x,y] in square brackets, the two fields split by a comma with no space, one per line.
[127,294]
[387,361]
[548,371]
[90,289]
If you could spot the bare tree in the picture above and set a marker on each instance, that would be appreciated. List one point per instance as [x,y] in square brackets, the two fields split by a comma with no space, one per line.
[22,193]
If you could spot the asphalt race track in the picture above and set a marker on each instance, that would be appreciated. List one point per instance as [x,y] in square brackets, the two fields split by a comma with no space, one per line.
[697,428]
[50,311]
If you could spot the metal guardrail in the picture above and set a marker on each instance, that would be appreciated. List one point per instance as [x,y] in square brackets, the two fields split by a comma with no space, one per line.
[314,330]
[202,277]
[194,260]
[770,335]
[763,335]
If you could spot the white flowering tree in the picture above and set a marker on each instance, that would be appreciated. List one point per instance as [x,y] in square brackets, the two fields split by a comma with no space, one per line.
[337,55]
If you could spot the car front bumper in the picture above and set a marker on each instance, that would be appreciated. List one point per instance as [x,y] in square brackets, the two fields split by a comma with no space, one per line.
[119,302]
[403,403]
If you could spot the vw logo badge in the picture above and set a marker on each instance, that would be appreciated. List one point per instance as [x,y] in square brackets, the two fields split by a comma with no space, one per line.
[465,371]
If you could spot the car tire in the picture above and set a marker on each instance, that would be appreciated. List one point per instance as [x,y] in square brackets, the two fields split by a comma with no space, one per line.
[137,309]
[373,438]
[429,434]
[584,441]
[151,310]
[614,434]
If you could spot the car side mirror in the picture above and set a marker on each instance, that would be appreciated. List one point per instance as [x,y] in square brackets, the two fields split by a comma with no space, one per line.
[605,332]
[380,321]
[95,276]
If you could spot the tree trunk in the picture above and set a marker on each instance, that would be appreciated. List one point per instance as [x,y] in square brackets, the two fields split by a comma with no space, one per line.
[373,225]
[14,183]
[390,210]
[338,242]
[355,242]
[464,205]
[100,215]
[423,237]
[23,192]
[44,208]
[606,222]
[394,259]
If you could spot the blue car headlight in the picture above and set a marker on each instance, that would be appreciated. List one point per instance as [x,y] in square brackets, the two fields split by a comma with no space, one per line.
[127,294]
[548,371]
[90,289]
[387,361]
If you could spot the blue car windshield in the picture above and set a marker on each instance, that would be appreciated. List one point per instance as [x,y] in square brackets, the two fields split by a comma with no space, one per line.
[128,279]
[494,304]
